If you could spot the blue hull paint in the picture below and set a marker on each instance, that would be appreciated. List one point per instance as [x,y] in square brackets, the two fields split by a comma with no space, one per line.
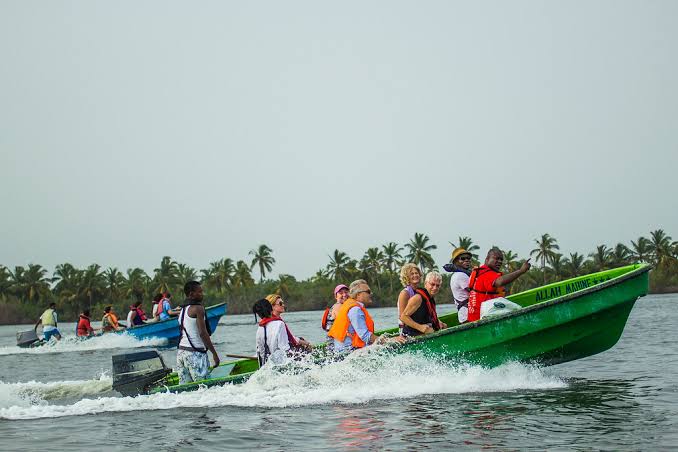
[169,329]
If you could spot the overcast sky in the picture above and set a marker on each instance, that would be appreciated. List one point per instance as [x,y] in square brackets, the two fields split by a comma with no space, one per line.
[130,130]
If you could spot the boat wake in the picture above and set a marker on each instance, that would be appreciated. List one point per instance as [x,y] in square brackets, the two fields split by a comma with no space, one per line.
[35,393]
[357,379]
[74,344]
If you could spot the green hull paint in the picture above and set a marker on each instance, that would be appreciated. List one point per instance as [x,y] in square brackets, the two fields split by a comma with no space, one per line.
[560,322]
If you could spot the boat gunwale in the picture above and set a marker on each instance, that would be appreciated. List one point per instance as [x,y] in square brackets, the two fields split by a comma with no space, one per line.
[643,268]
[160,322]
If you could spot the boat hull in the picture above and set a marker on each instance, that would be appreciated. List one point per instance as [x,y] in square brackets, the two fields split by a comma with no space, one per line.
[559,322]
[169,329]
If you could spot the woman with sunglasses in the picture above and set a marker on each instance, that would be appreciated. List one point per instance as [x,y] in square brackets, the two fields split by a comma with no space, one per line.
[274,339]
[460,267]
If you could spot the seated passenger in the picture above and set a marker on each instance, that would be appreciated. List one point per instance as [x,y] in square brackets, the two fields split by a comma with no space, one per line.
[340,295]
[420,316]
[274,339]
[354,328]
[85,325]
[109,322]
[487,282]
[461,270]
[154,311]
[410,277]
[165,310]
[136,315]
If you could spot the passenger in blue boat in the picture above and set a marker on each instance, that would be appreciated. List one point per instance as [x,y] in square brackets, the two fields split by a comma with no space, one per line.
[84,325]
[420,315]
[48,319]
[154,310]
[274,340]
[195,341]
[109,322]
[165,310]
[136,315]
[460,267]
[410,277]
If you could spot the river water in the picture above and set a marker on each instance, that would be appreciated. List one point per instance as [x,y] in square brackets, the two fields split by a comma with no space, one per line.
[60,397]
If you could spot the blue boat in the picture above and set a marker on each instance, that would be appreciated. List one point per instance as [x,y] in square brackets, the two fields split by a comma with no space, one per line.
[169,329]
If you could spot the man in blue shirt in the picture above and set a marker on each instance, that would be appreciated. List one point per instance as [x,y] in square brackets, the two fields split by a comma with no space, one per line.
[354,328]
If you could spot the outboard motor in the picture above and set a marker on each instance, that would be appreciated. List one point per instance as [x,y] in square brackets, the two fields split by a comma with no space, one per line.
[134,373]
[26,338]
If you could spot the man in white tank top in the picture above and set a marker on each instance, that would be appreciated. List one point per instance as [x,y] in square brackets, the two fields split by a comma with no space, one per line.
[192,362]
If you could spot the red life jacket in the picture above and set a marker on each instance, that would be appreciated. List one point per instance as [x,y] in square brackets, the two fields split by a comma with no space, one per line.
[84,326]
[481,289]
[290,337]
[431,307]
[161,306]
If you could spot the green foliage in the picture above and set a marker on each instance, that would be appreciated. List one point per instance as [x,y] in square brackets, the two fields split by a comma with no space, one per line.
[25,291]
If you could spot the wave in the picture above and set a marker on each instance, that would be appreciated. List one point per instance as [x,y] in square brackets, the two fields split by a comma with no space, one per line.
[74,344]
[357,379]
[32,393]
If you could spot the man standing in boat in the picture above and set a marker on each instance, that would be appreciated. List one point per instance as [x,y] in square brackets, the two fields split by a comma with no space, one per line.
[487,282]
[460,267]
[192,361]
[49,323]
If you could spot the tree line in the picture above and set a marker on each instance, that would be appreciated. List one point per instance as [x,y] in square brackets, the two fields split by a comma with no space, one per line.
[25,291]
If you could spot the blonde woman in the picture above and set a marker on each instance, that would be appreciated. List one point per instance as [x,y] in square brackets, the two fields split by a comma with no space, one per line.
[410,277]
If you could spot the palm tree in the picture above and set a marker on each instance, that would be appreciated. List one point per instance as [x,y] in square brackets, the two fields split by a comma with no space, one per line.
[391,259]
[601,258]
[370,264]
[242,277]
[574,265]
[338,268]
[262,258]
[557,265]
[135,285]
[641,250]
[220,274]
[30,284]
[620,255]
[467,244]
[283,286]
[165,276]
[510,260]
[114,283]
[68,280]
[93,284]
[185,273]
[545,250]
[419,251]
[5,282]
[320,276]
[660,245]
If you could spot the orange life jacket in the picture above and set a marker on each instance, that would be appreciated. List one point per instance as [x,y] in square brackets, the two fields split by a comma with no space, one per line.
[339,329]
[112,319]
[481,289]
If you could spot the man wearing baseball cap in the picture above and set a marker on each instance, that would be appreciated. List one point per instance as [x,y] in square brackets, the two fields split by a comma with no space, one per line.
[460,267]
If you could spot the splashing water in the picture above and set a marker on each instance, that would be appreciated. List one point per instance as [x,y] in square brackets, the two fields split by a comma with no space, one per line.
[74,344]
[357,379]
[38,393]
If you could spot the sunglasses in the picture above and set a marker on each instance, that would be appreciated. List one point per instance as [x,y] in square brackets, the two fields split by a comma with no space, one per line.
[369,292]
[280,303]
[465,258]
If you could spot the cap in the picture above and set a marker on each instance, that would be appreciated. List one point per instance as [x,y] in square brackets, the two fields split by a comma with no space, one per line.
[340,287]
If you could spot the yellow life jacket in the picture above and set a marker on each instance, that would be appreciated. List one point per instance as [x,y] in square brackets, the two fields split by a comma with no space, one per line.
[47,318]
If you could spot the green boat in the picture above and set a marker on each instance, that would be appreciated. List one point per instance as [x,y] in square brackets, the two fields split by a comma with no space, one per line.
[557,323]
